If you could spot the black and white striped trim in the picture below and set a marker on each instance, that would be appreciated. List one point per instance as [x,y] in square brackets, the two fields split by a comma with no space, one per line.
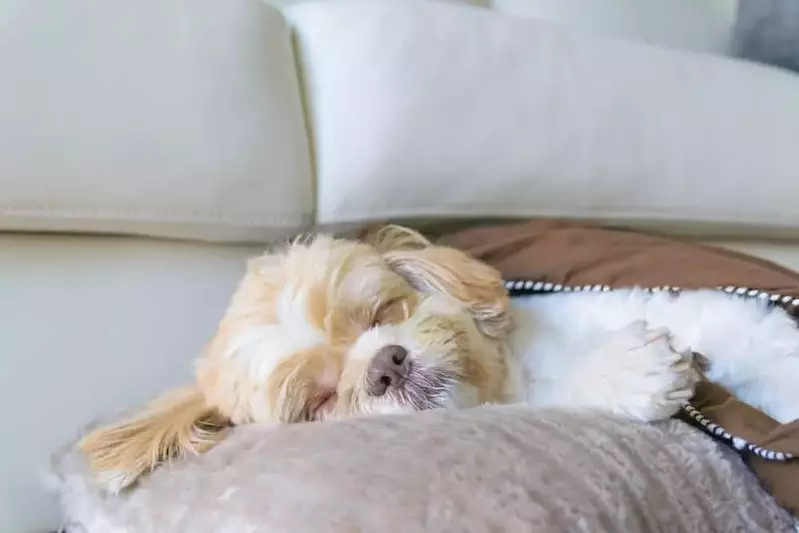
[529,287]
[736,442]
[523,287]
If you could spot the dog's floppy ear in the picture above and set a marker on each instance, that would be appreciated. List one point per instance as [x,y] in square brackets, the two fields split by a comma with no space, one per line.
[191,420]
[176,425]
[428,267]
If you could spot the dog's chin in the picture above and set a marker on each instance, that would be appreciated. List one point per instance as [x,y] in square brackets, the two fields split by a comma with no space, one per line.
[424,388]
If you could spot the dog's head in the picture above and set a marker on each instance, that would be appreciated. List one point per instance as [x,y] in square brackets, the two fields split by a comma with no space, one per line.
[332,328]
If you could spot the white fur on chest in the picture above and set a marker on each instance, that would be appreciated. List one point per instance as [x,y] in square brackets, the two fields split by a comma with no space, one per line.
[753,349]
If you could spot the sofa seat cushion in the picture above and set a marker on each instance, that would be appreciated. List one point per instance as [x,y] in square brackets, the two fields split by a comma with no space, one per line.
[427,108]
[164,117]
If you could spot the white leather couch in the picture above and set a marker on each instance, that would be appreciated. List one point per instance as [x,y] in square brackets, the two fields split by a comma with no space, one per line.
[148,147]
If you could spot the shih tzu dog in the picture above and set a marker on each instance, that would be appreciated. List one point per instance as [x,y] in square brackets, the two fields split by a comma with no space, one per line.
[328,328]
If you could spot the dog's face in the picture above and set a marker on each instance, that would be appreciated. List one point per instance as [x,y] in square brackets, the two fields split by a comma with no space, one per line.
[333,328]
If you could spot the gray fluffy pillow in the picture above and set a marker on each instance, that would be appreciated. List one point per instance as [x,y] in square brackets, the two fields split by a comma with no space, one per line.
[767,31]
[500,468]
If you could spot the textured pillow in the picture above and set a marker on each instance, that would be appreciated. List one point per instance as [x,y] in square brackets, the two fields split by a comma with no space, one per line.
[485,469]
[768,31]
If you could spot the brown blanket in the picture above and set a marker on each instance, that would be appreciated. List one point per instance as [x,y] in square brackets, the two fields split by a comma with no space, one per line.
[575,254]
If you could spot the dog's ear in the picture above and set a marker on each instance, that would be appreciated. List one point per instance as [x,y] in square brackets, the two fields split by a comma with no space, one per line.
[428,267]
[391,237]
[228,382]
[176,425]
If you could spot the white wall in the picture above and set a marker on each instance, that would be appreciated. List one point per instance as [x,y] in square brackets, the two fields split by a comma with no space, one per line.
[702,25]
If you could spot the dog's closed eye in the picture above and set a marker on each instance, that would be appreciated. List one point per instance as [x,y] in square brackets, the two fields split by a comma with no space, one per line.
[391,312]
[380,315]
[320,404]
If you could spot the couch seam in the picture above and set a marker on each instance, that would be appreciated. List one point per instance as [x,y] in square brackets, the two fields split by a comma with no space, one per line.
[145,216]
[515,210]
[305,109]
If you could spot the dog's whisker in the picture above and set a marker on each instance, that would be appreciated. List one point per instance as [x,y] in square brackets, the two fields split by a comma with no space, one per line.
[425,388]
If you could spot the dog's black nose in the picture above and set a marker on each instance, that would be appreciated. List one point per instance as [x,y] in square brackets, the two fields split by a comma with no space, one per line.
[388,369]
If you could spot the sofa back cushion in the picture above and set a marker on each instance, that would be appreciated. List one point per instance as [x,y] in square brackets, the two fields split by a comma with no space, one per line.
[425,108]
[165,117]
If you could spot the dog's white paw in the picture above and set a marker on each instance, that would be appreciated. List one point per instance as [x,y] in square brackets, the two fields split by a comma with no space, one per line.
[637,374]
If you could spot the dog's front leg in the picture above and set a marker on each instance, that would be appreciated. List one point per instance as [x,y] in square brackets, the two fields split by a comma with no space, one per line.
[635,373]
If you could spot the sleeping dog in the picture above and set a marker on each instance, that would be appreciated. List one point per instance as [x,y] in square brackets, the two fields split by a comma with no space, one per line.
[326,328]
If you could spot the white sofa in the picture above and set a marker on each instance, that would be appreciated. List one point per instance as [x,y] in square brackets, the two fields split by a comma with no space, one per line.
[148,147]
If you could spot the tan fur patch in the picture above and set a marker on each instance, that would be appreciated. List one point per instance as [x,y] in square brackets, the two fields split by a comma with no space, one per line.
[176,425]
[253,304]
[298,382]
